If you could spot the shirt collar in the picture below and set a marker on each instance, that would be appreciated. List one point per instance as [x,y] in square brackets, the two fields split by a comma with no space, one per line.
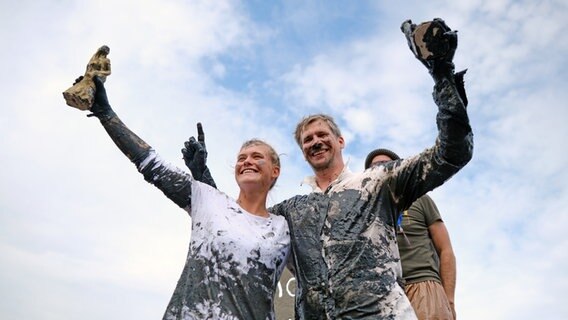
[311,180]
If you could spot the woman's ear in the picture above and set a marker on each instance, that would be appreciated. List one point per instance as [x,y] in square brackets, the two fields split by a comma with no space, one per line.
[275,172]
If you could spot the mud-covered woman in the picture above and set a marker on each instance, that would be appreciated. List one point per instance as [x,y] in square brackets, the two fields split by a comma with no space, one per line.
[237,248]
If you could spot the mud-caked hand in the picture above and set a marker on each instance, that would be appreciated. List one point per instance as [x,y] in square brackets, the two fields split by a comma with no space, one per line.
[195,157]
[434,44]
[101,108]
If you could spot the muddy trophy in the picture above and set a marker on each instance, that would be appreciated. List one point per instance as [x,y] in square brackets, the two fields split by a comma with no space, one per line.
[81,94]
[434,44]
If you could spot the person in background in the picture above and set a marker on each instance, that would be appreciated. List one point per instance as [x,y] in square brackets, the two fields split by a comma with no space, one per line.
[426,254]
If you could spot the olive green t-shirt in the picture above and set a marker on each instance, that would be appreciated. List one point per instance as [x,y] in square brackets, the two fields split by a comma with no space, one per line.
[418,256]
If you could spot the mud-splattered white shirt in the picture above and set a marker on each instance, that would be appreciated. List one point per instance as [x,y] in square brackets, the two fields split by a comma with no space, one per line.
[235,258]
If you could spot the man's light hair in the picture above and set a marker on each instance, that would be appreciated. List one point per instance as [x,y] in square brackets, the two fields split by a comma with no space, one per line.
[311,118]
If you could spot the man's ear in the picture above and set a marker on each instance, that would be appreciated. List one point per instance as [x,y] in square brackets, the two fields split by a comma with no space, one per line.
[341,142]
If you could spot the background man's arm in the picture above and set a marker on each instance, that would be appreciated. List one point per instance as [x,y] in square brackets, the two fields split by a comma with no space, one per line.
[441,239]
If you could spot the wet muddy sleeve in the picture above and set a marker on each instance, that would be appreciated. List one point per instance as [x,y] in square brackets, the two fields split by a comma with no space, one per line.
[174,183]
[455,137]
[452,151]
[280,209]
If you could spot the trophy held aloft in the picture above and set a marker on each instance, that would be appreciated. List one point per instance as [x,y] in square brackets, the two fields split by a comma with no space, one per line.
[82,94]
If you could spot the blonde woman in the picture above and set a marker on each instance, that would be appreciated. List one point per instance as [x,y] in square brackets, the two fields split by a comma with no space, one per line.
[238,249]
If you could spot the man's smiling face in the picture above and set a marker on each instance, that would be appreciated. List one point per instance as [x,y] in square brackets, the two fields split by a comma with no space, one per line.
[321,147]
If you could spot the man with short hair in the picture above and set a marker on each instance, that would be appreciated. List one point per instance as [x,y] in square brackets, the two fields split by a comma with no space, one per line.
[343,234]
[426,254]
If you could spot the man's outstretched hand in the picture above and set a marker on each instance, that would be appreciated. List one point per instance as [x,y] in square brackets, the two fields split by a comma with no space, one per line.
[195,157]
[434,44]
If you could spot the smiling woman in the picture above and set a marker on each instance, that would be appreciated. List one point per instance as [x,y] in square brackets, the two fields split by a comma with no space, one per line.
[257,157]
[238,249]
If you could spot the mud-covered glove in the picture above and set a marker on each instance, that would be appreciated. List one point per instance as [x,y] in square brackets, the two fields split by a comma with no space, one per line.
[101,108]
[195,157]
[434,44]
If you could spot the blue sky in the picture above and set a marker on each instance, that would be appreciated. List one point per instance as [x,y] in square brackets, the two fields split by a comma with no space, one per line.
[83,236]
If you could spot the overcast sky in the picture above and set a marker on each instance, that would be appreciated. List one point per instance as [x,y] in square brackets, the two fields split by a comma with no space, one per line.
[83,236]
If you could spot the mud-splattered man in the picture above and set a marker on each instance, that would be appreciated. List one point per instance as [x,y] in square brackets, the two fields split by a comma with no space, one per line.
[343,234]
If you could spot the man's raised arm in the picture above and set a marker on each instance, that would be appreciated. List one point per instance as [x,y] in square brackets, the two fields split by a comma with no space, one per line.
[434,44]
